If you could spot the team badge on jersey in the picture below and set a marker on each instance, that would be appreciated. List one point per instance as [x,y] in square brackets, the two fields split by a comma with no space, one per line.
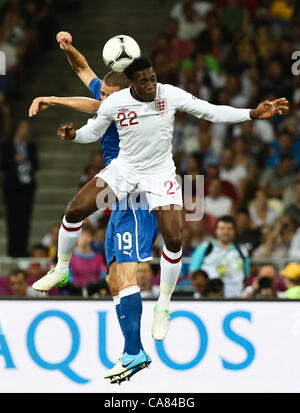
[161,105]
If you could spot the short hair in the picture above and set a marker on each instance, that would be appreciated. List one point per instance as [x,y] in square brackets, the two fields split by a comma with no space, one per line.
[138,64]
[215,285]
[116,79]
[17,271]
[88,228]
[39,246]
[202,273]
[243,211]
[227,219]
[285,157]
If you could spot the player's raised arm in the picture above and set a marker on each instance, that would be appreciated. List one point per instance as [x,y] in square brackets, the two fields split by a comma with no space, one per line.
[222,113]
[76,59]
[90,132]
[81,104]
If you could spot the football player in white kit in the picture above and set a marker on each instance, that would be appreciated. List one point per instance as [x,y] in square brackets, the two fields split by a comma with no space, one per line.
[144,117]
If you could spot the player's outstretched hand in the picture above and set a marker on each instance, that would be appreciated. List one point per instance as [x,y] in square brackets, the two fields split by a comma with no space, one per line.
[66,132]
[268,108]
[39,104]
[64,39]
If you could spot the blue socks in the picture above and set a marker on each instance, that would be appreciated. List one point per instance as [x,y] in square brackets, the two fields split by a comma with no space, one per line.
[129,315]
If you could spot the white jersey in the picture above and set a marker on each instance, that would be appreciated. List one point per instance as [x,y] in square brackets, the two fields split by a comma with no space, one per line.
[146,128]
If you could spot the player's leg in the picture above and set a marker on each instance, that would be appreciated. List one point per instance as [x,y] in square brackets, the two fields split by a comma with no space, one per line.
[134,357]
[170,224]
[130,247]
[81,206]
[165,198]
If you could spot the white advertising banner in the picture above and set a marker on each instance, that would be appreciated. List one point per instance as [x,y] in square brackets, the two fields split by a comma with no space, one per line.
[225,346]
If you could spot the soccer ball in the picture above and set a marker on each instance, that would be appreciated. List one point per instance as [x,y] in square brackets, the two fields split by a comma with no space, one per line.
[120,51]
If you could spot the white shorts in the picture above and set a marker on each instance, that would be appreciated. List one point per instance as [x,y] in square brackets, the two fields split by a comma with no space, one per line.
[160,190]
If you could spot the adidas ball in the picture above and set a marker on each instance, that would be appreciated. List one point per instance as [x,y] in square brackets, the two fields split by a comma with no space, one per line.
[119,52]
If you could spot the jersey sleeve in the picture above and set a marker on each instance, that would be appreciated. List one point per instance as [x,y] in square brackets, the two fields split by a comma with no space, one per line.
[96,126]
[186,102]
[95,88]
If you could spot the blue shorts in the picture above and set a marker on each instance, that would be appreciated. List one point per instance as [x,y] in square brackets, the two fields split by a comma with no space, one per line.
[130,235]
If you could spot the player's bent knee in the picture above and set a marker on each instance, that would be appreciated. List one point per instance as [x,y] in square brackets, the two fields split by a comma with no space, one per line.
[173,243]
[74,214]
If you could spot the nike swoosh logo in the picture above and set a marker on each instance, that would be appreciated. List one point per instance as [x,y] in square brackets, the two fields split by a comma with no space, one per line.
[126,365]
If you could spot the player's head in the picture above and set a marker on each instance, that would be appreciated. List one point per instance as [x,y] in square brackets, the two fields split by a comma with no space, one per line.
[142,79]
[113,82]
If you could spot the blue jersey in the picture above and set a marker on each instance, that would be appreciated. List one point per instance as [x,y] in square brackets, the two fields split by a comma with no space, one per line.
[130,233]
[110,140]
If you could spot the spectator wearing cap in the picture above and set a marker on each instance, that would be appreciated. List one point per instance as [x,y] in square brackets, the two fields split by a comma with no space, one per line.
[222,258]
[291,274]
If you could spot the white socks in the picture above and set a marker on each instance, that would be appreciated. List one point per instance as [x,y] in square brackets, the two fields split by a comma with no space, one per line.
[170,266]
[67,240]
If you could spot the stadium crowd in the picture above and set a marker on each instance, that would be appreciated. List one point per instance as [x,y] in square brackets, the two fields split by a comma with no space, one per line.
[27,31]
[229,52]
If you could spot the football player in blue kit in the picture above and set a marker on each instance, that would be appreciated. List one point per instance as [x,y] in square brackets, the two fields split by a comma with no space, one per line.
[131,230]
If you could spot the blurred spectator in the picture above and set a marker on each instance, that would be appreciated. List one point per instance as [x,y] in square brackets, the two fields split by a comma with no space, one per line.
[234,16]
[294,250]
[256,135]
[222,259]
[35,269]
[86,265]
[95,165]
[229,172]
[213,172]
[5,122]
[50,240]
[214,288]
[144,276]
[190,22]
[277,240]
[246,236]
[215,203]
[291,274]
[199,280]
[293,210]
[98,244]
[264,285]
[261,212]
[19,286]
[275,180]
[187,251]
[284,145]
[19,163]
[201,7]
[96,289]
[199,233]
[241,155]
